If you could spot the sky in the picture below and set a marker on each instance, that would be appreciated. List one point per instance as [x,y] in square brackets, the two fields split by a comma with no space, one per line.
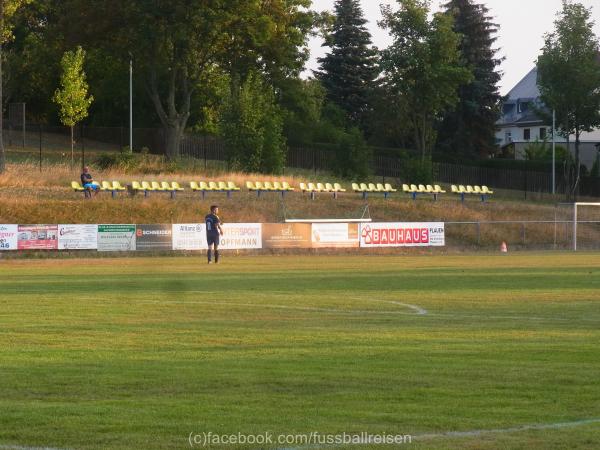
[523,24]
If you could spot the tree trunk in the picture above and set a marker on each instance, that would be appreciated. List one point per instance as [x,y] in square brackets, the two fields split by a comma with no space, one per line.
[173,135]
[173,121]
[72,150]
[2,156]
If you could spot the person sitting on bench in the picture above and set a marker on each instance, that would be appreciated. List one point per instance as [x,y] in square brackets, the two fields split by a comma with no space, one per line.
[87,181]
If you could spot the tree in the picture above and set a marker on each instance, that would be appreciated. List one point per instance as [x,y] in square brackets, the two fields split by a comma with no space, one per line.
[72,97]
[7,10]
[469,130]
[176,43]
[251,124]
[569,77]
[349,70]
[421,67]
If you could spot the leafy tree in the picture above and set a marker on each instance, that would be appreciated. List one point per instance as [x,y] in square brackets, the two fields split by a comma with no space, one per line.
[72,97]
[349,70]
[469,130]
[251,125]
[569,77]
[353,156]
[422,67]
[7,10]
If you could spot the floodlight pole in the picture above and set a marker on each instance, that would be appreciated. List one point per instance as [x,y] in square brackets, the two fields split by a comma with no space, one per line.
[130,103]
[553,152]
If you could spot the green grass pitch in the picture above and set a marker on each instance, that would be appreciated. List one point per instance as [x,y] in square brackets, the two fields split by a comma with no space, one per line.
[139,353]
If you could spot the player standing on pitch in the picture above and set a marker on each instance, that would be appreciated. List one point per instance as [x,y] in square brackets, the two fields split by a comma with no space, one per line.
[213,232]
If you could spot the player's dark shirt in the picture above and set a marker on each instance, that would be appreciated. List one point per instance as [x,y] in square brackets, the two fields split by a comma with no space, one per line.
[86,178]
[212,220]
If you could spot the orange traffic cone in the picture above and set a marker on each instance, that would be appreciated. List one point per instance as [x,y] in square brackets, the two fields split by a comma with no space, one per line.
[503,247]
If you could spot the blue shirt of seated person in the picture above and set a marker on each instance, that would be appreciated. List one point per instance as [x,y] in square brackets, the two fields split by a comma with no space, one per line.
[87,181]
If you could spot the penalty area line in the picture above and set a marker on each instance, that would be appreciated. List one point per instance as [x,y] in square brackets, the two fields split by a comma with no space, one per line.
[418,311]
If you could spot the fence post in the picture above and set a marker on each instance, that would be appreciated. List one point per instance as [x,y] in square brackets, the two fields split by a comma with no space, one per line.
[81,134]
[523,237]
[478,233]
[205,152]
[40,125]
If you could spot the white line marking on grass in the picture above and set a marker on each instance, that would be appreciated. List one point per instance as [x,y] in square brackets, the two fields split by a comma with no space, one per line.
[19,447]
[516,429]
[472,433]
[419,311]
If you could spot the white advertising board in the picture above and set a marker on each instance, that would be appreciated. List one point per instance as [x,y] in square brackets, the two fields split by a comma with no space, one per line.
[8,237]
[77,237]
[236,236]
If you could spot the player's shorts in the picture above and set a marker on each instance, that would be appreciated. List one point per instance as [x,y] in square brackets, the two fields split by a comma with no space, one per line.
[213,239]
[93,186]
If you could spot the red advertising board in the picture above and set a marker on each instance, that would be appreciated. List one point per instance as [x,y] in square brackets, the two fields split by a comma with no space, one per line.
[38,237]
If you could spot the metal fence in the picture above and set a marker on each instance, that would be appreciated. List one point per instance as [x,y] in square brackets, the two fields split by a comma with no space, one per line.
[524,234]
[36,137]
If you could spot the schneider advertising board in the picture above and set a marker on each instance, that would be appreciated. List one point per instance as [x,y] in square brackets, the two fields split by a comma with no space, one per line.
[402,234]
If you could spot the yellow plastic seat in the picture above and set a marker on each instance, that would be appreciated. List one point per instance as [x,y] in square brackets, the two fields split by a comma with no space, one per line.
[313,188]
[329,187]
[106,186]
[338,187]
[303,187]
[232,186]
[321,188]
[176,187]
[406,188]
[372,187]
[478,189]
[77,187]
[422,189]
[259,185]
[277,186]
[356,187]
[136,186]
[487,190]
[117,186]
[156,186]
[454,189]
[380,187]
[414,188]
[147,186]
[286,186]
[364,187]
[213,186]
[388,187]
[268,186]
[250,186]
[165,186]
[194,186]
[462,189]
[438,189]
[223,186]
[470,189]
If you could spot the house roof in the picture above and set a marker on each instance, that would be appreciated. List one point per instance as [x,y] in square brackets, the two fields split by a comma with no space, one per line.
[527,88]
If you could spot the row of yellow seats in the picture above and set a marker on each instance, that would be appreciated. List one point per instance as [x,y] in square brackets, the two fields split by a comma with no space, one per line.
[476,190]
[372,187]
[213,186]
[105,186]
[423,189]
[269,186]
[320,187]
[155,186]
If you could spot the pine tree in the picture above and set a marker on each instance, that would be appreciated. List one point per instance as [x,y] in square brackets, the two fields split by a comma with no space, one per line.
[349,70]
[469,130]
